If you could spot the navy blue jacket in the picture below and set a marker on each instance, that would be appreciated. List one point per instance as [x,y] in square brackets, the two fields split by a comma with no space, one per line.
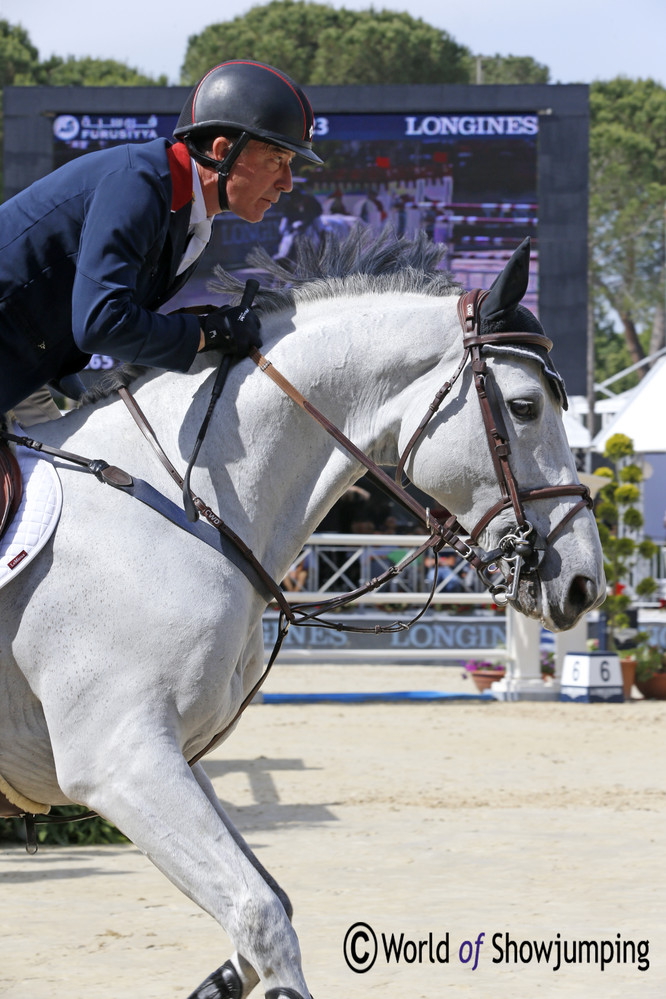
[87,254]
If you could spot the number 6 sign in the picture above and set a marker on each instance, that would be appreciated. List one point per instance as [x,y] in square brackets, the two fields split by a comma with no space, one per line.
[591,676]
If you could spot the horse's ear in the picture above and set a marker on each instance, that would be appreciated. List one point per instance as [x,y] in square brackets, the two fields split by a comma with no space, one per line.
[508,288]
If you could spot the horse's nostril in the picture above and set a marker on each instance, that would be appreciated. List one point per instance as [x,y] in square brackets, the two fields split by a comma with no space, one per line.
[582,594]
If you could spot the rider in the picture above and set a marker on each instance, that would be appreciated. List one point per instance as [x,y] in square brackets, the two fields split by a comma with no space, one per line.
[91,251]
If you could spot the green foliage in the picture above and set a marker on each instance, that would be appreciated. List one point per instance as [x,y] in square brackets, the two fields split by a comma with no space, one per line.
[633,519]
[18,56]
[626,494]
[88,72]
[508,69]
[649,658]
[318,44]
[387,46]
[647,548]
[88,832]
[624,547]
[627,198]
[607,511]
[646,587]
[631,473]
[619,446]
[620,523]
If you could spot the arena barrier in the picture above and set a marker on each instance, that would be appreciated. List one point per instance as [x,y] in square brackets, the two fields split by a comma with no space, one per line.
[337,562]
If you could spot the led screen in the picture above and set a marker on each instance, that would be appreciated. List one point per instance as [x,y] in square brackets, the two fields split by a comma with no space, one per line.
[477,167]
[468,180]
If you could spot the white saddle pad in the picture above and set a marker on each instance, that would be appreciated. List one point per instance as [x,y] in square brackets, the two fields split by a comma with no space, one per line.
[36,518]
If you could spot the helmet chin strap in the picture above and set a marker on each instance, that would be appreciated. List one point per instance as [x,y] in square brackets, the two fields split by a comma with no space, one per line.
[223,167]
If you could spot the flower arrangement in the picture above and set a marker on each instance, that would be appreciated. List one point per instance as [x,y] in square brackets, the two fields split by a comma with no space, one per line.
[547,663]
[474,665]
[484,672]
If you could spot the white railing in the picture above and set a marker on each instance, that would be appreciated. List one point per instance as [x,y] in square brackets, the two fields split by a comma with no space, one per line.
[337,562]
[342,561]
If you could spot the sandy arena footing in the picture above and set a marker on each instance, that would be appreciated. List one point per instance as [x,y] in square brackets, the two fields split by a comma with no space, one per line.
[475,833]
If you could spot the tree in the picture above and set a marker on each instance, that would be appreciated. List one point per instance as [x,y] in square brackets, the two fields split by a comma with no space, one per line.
[317,44]
[507,69]
[388,47]
[89,72]
[627,211]
[18,56]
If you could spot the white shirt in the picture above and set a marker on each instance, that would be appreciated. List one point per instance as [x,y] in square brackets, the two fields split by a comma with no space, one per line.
[200,225]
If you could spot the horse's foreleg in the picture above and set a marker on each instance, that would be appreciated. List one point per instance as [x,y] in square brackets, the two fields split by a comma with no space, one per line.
[236,978]
[151,794]
[206,786]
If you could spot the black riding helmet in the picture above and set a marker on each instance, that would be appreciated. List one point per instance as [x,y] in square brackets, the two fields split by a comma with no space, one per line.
[250,100]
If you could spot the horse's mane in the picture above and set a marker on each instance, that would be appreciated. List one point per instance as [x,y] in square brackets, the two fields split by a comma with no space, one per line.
[334,265]
[353,264]
[111,381]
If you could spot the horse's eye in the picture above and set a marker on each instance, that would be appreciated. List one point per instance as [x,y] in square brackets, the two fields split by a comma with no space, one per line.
[523,409]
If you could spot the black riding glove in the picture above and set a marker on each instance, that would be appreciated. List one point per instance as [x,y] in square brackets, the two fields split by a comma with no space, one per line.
[232,330]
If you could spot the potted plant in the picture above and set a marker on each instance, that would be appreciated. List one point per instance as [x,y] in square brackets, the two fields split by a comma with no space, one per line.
[650,676]
[627,552]
[484,672]
[547,659]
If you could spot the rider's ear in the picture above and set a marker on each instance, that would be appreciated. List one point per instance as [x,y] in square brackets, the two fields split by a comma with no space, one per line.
[508,288]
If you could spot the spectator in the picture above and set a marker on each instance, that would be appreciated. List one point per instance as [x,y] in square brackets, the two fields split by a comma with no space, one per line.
[448,581]
[297,574]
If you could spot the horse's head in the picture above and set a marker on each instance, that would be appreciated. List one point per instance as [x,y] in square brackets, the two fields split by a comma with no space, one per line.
[358,322]
[513,483]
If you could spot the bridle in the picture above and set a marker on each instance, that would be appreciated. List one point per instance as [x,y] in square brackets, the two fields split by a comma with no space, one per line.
[521,549]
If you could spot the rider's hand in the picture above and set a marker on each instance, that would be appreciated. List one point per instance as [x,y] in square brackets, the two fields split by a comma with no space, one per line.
[231,329]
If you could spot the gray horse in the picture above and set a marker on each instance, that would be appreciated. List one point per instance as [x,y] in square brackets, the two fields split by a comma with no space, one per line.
[127,645]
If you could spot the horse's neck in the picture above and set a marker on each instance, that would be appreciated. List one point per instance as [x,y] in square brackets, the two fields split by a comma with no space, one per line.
[357,361]
[268,468]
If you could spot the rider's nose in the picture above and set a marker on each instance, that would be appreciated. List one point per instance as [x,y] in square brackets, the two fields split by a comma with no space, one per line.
[285,180]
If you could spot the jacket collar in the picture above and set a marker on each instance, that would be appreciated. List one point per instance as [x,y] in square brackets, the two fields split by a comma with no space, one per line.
[180,166]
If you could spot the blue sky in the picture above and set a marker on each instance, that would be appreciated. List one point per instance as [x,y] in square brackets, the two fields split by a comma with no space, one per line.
[580,40]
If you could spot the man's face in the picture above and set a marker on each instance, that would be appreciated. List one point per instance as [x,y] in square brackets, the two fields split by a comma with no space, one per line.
[258,177]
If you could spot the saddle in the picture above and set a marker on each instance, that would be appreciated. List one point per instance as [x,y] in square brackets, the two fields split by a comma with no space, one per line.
[11,486]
